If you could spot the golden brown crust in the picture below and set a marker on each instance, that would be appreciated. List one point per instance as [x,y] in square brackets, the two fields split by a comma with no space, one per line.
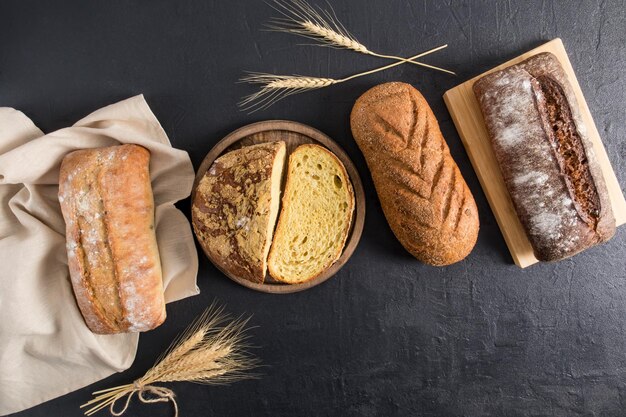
[232,210]
[107,203]
[422,192]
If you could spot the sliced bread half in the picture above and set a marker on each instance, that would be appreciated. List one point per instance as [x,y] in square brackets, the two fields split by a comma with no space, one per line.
[235,207]
[315,219]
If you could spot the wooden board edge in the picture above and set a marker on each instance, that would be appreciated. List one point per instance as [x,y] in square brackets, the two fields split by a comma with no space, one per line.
[618,202]
[506,232]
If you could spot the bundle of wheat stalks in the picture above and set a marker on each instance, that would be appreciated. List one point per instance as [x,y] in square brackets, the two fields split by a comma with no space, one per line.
[210,351]
[323,27]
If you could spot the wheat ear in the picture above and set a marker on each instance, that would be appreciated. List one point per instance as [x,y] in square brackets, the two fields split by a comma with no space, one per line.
[276,87]
[322,26]
[208,352]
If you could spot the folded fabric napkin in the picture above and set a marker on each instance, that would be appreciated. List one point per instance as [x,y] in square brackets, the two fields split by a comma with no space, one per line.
[46,350]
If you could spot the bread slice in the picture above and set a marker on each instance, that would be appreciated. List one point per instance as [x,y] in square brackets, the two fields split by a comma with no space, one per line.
[235,207]
[318,205]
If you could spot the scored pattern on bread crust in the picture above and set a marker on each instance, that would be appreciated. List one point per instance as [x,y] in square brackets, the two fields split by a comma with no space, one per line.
[424,196]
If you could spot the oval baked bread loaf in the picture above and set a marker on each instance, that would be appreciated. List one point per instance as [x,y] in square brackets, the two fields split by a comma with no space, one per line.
[546,157]
[423,195]
[235,206]
[316,216]
[106,200]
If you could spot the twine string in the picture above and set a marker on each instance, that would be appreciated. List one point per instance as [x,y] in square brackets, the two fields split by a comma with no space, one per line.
[159,395]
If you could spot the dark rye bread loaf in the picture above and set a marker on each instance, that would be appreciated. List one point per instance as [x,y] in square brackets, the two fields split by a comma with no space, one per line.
[423,195]
[546,157]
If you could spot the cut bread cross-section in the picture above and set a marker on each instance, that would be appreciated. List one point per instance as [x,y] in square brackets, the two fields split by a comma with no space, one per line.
[315,219]
[235,207]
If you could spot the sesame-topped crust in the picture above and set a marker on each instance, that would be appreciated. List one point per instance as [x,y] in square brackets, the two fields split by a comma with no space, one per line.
[107,203]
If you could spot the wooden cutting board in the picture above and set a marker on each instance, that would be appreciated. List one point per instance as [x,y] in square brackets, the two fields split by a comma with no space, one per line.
[468,119]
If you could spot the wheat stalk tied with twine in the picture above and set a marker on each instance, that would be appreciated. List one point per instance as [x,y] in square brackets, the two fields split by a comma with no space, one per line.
[210,351]
[299,18]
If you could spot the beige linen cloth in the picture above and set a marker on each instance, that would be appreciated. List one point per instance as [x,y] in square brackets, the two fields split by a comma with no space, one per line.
[46,350]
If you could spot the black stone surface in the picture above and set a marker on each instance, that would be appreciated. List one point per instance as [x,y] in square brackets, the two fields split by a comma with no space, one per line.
[387,336]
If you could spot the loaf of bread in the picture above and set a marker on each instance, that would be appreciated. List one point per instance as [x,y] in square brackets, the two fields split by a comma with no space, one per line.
[316,216]
[113,258]
[546,158]
[235,207]
[423,195]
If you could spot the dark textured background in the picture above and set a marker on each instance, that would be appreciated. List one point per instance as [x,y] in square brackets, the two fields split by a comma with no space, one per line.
[387,335]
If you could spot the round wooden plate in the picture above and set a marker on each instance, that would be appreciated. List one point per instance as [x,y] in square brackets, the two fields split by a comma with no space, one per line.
[293,134]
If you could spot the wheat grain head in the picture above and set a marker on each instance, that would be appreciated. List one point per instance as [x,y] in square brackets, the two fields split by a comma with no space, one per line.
[276,87]
[300,18]
[208,352]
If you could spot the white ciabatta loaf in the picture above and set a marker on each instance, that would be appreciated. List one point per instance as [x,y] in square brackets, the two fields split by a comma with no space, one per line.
[106,200]
[235,207]
[315,219]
